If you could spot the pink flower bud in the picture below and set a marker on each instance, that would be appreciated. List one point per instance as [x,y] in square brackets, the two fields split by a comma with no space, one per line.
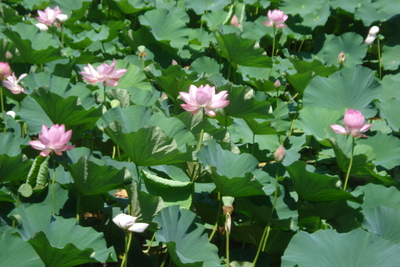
[280,153]
[5,70]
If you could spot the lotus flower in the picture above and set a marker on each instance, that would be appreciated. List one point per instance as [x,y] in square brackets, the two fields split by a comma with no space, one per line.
[50,16]
[53,139]
[12,84]
[106,74]
[354,123]
[276,19]
[5,70]
[371,35]
[128,223]
[204,97]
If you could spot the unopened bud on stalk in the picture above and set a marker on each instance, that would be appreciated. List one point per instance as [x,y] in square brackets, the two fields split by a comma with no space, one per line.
[277,84]
[9,55]
[341,58]
[280,153]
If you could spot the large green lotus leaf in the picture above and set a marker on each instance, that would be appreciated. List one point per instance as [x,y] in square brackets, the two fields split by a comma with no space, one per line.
[93,179]
[58,109]
[306,71]
[349,88]
[215,20]
[390,88]
[348,5]
[377,195]
[226,162]
[260,126]
[10,144]
[390,57]
[233,174]
[381,10]
[168,25]
[12,246]
[352,44]
[63,257]
[313,12]
[174,79]
[383,221]
[72,239]
[202,6]
[144,206]
[241,51]
[143,116]
[313,186]
[14,168]
[246,103]
[34,4]
[172,192]
[186,240]
[35,47]
[133,6]
[133,78]
[85,38]
[328,248]
[388,110]
[149,146]
[205,64]
[316,121]
[386,148]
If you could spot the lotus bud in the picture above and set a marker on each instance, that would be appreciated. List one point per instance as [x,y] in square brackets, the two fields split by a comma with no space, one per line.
[369,40]
[280,153]
[277,84]
[9,55]
[11,113]
[235,21]
[174,62]
[42,27]
[341,58]
[374,30]
[5,70]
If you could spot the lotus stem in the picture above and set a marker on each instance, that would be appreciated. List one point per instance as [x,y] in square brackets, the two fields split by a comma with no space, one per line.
[128,241]
[216,223]
[350,165]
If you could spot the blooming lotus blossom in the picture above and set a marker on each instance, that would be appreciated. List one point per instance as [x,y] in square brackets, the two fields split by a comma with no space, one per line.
[54,140]
[12,84]
[128,223]
[5,70]
[354,123]
[276,19]
[204,97]
[106,74]
[50,17]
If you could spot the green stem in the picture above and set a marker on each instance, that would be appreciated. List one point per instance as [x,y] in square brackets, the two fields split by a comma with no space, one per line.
[16,206]
[128,241]
[267,229]
[227,240]
[52,189]
[202,131]
[259,247]
[3,114]
[350,164]
[151,242]
[138,175]
[254,140]
[379,59]
[273,53]
[279,116]
[216,223]
[78,209]
[104,95]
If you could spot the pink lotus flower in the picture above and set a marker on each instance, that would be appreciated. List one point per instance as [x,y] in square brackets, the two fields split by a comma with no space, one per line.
[204,97]
[53,139]
[128,223]
[12,84]
[354,123]
[50,16]
[5,70]
[106,74]
[276,19]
